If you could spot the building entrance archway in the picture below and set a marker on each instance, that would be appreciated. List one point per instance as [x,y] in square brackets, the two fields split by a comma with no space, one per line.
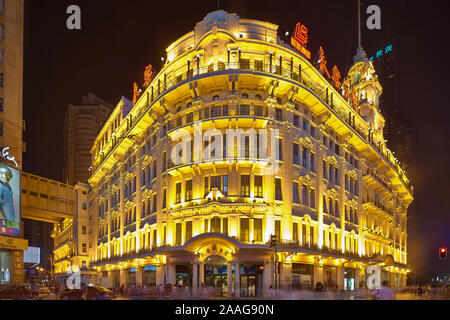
[215,274]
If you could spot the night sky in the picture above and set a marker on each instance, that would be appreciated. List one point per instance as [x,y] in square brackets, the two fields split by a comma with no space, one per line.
[119,38]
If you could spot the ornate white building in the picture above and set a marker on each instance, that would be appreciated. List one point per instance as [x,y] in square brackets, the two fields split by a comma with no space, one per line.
[337,203]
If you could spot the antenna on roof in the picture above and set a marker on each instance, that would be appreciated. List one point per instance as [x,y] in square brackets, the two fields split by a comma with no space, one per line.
[359,23]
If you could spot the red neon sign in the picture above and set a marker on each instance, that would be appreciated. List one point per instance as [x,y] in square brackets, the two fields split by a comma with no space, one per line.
[301,34]
[300,39]
[136,92]
[148,75]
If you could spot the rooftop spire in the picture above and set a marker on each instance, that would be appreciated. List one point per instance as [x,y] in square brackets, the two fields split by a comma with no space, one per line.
[361,55]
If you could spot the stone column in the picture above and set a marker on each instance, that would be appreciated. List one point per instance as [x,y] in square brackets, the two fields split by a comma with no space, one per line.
[237,280]
[340,276]
[139,274]
[318,273]
[266,278]
[195,278]
[172,274]
[285,276]
[201,278]
[229,279]
[123,277]
[160,275]
[357,278]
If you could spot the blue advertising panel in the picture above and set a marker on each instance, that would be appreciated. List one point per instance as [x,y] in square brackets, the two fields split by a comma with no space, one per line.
[10,192]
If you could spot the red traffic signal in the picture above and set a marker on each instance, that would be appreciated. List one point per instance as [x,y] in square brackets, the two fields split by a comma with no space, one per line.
[443,253]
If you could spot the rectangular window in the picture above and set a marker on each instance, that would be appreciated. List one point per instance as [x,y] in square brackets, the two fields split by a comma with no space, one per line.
[207,186]
[278,191]
[311,235]
[164,198]
[336,176]
[215,183]
[257,230]
[258,186]
[296,155]
[312,202]
[295,231]
[225,185]
[325,208]
[296,121]
[336,208]
[225,226]
[206,225]
[189,190]
[154,203]
[305,125]
[84,248]
[244,110]
[278,229]
[245,186]
[178,192]
[83,230]
[295,197]
[280,149]
[305,195]
[244,229]
[164,161]
[304,234]
[325,170]
[279,115]
[305,158]
[312,162]
[346,182]
[178,233]
[188,230]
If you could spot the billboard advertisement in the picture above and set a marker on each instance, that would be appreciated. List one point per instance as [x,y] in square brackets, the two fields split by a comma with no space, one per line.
[10,191]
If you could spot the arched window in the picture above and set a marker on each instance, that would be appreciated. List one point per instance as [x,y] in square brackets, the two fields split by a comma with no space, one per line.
[244,96]
[215,224]
[258,97]
[216,98]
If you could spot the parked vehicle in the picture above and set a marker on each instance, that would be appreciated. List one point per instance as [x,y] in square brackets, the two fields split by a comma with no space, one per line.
[43,291]
[19,292]
[99,293]
[71,295]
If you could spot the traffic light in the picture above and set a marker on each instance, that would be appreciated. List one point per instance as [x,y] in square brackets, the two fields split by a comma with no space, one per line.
[443,253]
[273,240]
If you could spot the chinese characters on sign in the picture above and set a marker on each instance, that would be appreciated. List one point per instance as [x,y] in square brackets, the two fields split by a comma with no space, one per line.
[300,39]
[323,63]
[336,78]
[148,75]
[382,52]
[136,92]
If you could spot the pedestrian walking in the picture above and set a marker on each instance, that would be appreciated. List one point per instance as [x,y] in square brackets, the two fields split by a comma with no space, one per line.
[385,293]
[34,290]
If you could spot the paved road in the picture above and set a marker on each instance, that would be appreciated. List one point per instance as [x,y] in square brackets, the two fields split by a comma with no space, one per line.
[287,295]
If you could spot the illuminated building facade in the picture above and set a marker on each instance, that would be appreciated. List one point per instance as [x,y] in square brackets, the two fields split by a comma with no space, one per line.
[336,204]
[71,237]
